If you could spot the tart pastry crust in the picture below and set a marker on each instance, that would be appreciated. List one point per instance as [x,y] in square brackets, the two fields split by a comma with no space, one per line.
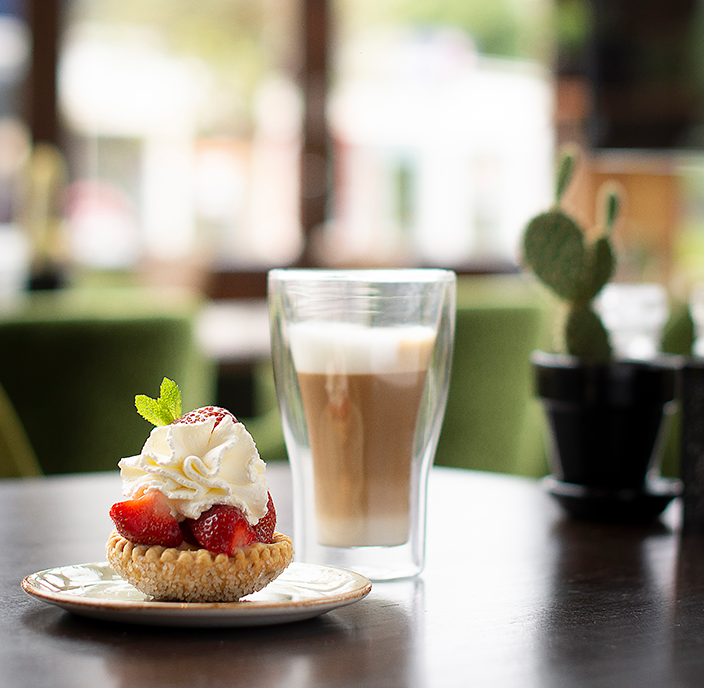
[189,574]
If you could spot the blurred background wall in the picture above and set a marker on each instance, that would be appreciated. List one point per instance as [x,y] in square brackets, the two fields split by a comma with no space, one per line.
[204,143]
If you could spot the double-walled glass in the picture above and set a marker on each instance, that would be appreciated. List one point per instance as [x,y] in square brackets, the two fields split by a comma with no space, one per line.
[362,365]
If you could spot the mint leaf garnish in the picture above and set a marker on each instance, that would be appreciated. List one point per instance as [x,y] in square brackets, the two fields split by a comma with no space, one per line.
[151,410]
[170,397]
[164,410]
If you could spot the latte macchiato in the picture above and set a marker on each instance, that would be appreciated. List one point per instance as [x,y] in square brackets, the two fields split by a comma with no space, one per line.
[361,389]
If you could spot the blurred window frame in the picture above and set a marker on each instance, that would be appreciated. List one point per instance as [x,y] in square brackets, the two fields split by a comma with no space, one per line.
[41,107]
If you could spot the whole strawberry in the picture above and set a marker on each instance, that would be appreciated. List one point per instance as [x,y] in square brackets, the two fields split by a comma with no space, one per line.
[203,414]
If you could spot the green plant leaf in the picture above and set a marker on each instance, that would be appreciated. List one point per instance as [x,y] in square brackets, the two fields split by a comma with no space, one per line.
[553,247]
[585,334]
[564,174]
[613,205]
[600,263]
[170,397]
[164,410]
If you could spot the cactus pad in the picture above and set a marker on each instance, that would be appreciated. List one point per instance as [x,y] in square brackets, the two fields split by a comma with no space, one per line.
[599,267]
[556,250]
[553,247]
[585,334]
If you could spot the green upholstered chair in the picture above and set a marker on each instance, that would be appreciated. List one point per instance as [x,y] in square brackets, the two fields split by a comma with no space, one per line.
[71,363]
[493,421]
[265,426]
[17,458]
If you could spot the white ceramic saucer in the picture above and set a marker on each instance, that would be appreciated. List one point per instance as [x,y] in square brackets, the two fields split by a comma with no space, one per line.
[302,591]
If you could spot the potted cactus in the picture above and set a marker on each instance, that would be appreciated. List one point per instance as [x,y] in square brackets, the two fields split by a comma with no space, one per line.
[606,416]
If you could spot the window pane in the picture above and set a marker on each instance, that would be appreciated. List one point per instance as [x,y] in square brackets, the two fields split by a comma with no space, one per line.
[184,123]
[15,46]
[441,116]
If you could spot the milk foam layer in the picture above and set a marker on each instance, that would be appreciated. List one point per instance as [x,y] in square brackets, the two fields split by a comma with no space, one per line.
[197,465]
[348,348]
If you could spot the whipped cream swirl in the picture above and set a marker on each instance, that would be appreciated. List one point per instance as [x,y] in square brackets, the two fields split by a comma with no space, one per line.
[197,465]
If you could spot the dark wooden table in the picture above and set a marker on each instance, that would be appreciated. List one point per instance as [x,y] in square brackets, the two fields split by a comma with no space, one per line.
[514,594]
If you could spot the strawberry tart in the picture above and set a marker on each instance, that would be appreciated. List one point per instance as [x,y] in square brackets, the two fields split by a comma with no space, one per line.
[199,524]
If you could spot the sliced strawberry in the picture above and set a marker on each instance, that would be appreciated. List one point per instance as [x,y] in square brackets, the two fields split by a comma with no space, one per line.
[264,529]
[147,521]
[204,413]
[222,529]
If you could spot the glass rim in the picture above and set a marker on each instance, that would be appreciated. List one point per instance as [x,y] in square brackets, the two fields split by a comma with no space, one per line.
[368,275]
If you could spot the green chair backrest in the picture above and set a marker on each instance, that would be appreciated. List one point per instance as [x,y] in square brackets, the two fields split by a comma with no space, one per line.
[17,458]
[493,421]
[72,370]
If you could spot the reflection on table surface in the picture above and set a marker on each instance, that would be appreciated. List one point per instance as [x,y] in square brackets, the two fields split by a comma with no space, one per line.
[514,594]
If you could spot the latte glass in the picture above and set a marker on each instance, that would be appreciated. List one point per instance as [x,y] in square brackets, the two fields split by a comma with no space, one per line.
[362,366]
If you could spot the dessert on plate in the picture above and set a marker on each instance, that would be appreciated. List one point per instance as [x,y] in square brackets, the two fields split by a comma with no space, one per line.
[199,522]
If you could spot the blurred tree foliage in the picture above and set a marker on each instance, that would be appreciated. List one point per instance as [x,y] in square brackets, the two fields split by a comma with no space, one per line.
[511,28]
[240,41]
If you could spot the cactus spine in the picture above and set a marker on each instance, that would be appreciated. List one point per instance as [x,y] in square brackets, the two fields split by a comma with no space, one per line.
[556,249]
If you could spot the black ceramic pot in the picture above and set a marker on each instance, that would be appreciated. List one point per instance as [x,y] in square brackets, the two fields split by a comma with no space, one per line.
[608,425]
